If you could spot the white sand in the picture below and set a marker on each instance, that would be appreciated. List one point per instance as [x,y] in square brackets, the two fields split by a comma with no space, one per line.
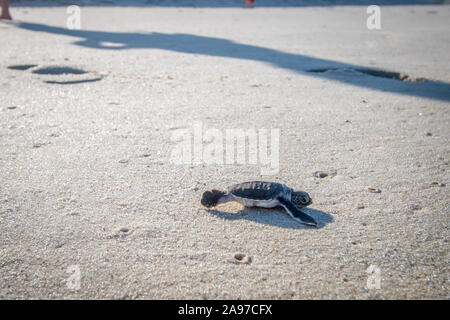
[78,162]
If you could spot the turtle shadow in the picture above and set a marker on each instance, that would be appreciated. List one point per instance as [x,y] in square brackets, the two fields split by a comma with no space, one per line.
[274,217]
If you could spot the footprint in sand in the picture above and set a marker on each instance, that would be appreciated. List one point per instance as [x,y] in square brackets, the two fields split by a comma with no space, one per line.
[60,74]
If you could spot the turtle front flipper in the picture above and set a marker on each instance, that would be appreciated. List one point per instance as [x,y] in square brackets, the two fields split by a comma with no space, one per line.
[212,198]
[296,213]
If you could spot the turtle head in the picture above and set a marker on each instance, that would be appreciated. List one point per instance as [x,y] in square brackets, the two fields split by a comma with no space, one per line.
[211,198]
[301,199]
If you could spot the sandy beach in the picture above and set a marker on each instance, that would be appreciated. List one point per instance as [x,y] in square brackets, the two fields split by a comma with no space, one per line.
[94,205]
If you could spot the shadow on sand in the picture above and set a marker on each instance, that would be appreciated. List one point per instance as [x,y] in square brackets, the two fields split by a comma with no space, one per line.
[355,75]
[274,217]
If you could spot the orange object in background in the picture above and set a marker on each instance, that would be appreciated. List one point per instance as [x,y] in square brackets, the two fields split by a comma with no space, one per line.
[249,3]
[5,10]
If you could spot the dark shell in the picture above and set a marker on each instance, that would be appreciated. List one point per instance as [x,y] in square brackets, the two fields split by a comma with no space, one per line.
[257,190]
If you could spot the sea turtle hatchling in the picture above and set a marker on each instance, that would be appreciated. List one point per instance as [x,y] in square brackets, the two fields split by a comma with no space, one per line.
[265,195]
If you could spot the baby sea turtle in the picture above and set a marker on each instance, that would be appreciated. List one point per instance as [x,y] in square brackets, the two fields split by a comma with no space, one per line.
[265,195]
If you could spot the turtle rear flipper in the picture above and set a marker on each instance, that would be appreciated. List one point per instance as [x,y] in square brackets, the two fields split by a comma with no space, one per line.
[297,214]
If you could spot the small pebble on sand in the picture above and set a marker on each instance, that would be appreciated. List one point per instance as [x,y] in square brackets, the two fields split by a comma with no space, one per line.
[320,174]
[242,258]
[435,183]
[374,190]
[414,207]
